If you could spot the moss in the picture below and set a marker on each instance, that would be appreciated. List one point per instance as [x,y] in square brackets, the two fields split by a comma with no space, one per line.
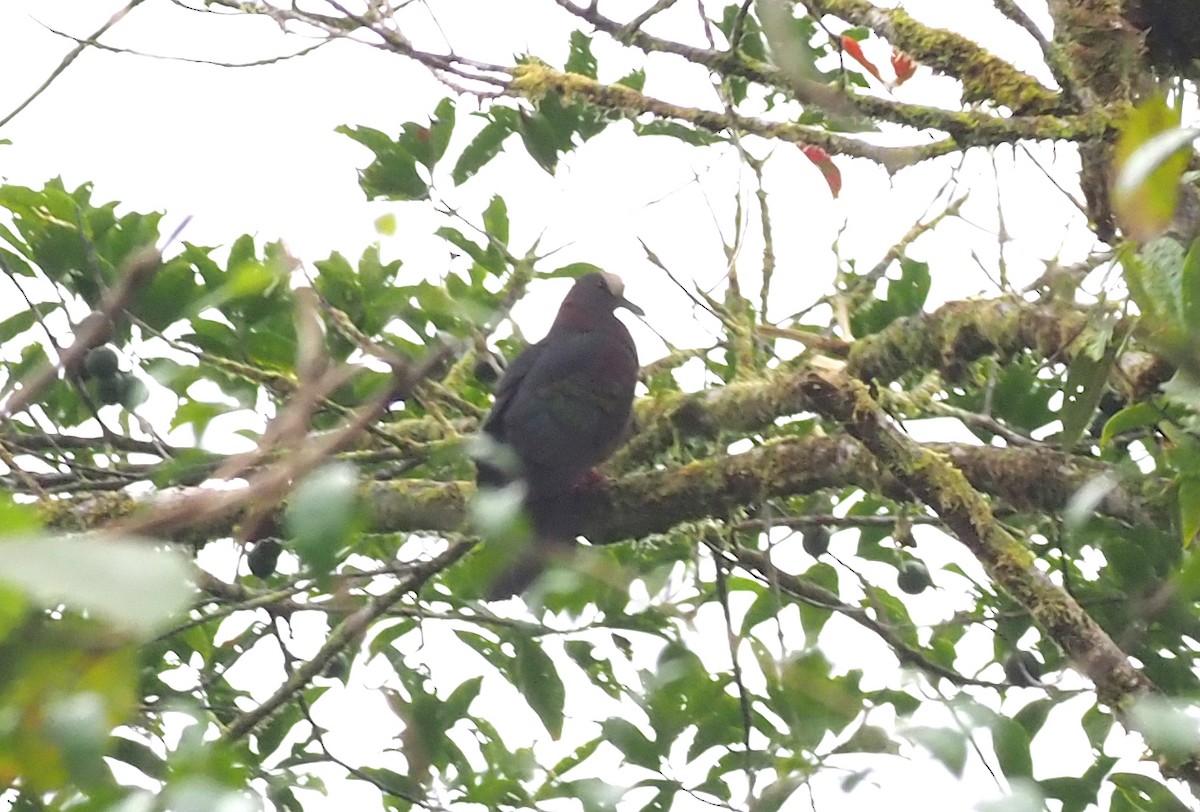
[1105,51]
[984,77]
[76,516]
[418,503]
[957,334]
[535,79]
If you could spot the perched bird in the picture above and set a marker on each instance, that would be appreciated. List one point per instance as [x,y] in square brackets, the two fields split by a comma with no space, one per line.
[562,407]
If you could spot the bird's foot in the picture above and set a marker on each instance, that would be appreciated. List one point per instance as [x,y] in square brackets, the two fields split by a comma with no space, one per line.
[593,480]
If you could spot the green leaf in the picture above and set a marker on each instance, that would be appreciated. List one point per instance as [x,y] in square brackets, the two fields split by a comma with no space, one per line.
[869,739]
[947,746]
[10,262]
[1012,748]
[905,297]
[440,130]
[1020,396]
[495,220]
[14,608]
[1074,793]
[540,139]
[140,755]
[16,324]
[581,60]
[1189,283]
[634,80]
[385,224]
[485,146]
[393,782]
[572,271]
[1151,155]
[168,295]
[78,725]
[751,41]
[632,742]
[459,702]
[1086,381]
[132,583]
[681,132]
[536,677]
[18,519]
[1131,417]
[1097,723]
[1167,727]
[1145,793]
[393,174]
[270,735]
[67,683]
[1189,509]
[1164,280]
[598,669]
[581,754]
[1033,716]
[777,793]
[464,244]
[1155,279]
[321,515]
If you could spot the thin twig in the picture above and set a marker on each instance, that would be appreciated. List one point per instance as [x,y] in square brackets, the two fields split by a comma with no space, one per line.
[349,630]
[69,58]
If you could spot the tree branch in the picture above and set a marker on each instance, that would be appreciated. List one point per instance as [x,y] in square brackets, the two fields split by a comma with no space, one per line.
[347,633]
[984,76]
[936,481]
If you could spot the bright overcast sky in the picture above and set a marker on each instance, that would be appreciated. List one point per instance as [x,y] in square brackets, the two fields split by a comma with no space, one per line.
[254,150]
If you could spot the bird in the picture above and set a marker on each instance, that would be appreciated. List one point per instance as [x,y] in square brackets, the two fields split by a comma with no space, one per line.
[562,407]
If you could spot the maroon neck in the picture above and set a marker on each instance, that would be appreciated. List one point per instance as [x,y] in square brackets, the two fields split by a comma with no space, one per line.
[580,317]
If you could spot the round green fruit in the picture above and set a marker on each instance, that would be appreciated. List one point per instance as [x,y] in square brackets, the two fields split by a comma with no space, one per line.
[913,577]
[109,388]
[815,540]
[100,362]
[133,392]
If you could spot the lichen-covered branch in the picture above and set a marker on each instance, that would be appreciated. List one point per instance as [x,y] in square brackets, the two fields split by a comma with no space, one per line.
[1033,480]
[969,128]
[1042,116]
[934,480]
[958,333]
[984,76]
[535,80]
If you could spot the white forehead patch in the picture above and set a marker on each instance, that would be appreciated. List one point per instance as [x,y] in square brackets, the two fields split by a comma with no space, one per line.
[614,284]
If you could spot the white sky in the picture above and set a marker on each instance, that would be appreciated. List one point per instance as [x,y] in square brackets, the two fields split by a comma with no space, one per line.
[254,150]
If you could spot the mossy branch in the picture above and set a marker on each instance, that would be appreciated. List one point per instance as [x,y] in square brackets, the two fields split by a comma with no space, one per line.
[534,80]
[959,333]
[655,501]
[984,76]
[933,479]
[987,77]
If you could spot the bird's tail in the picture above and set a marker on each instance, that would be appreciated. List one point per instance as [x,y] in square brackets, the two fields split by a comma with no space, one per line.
[554,520]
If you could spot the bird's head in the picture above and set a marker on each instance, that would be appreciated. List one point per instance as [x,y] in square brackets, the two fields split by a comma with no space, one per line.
[593,298]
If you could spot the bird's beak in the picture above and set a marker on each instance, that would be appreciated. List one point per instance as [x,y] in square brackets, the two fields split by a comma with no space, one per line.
[631,307]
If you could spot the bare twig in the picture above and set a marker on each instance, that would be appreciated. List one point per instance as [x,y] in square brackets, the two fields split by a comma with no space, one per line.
[69,58]
[202,507]
[799,589]
[348,631]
